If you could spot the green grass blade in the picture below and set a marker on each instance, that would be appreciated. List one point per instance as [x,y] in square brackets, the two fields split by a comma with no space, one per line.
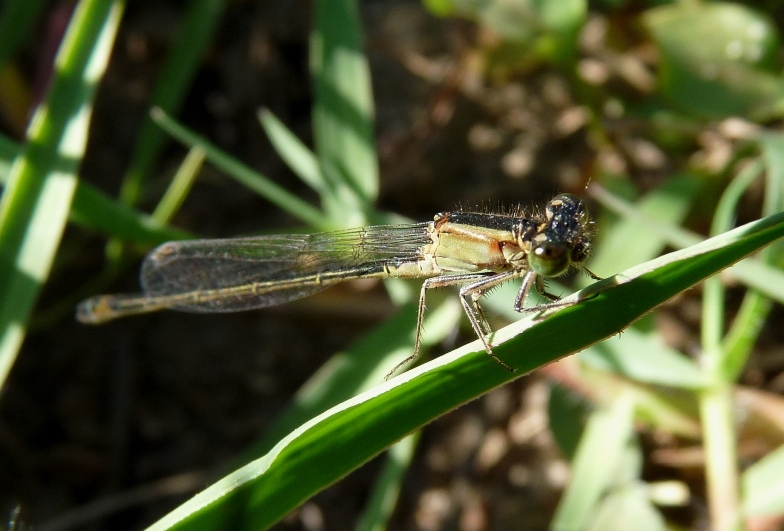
[343,111]
[756,306]
[763,485]
[299,158]
[94,209]
[179,187]
[334,443]
[621,246]
[242,173]
[385,492]
[36,202]
[193,36]
[712,324]
[595,464]
[715,401]
[752,272]
[361,367]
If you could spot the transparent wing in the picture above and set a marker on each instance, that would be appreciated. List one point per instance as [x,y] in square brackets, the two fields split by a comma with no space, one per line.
[282,268]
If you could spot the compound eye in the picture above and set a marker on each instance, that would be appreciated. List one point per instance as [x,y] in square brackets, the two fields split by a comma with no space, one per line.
[549,260]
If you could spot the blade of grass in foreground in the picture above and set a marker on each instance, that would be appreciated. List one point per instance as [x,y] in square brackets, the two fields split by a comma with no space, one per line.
[37,199]
[331,445]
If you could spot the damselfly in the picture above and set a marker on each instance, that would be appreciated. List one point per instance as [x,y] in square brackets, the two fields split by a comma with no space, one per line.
[476,250]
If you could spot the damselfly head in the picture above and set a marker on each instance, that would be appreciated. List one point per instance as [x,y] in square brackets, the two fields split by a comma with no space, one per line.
[563,239]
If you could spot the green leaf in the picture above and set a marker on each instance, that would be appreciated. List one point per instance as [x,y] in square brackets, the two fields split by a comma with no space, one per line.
[549,29]
[763,485]
[331,445]
[299,158]
[595,464]
[716,59]
[644,358]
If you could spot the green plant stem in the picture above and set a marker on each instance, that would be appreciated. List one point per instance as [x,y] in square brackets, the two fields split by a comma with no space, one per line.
[721,467]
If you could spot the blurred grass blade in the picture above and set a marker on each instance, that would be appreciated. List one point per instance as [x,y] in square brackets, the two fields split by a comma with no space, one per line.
[644,358]
[752,272]
[94,209]
[242,173]
[386,490]
[755,307]
[714,293]
[179,187]
[329,446]
[717,406]
[566,413]
[9,150]
[621,246]
[36,202]
[595,464]
[763,485]
[176,77]
[343,111]
[630,503]
[299,158]
[674,411]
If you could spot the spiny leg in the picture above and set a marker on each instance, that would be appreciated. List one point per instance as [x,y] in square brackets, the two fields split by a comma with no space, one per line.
[528,281]
[485,284]
[541,289]
[474,312]
[591,273]
[430,283]
[531,279]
